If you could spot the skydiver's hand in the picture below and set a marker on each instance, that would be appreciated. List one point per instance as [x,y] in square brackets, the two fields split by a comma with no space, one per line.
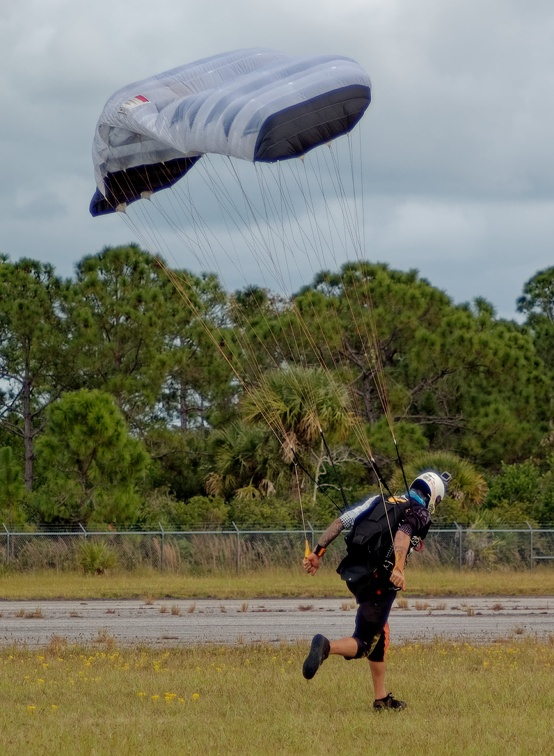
[311,563]
[397,579]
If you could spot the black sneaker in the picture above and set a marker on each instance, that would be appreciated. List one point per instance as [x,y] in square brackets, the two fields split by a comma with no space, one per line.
[389,702]
[319,651]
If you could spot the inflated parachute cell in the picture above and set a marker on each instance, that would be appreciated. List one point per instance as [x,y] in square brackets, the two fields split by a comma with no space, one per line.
[258,105]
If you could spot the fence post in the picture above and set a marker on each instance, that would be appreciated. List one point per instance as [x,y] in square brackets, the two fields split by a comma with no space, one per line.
[7,543]
[238,547]
[460,551]
[162,549]
[531,549]
[83,529]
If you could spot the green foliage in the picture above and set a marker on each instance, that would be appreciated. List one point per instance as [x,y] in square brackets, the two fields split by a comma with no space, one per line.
[95,557]
[410,438]
[537,302]
[488,544]
[299,403]
[522,491]
[198,512]
[201,377]
[91,465]
[466,491]
[12,490]
[243,458]
[271,512]
[471,382]
[178,460]
[210,512]
[199,389]
[33,350]
[116,314]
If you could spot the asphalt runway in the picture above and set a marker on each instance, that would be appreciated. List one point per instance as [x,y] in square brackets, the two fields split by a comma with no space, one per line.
[167,623]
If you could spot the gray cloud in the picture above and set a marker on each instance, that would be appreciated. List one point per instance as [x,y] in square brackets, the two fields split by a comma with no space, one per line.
[458,164]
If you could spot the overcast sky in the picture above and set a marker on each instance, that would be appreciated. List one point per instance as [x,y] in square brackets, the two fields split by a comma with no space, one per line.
[458,139]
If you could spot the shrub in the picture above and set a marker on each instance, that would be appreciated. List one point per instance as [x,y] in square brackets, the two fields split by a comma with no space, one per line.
[95,557]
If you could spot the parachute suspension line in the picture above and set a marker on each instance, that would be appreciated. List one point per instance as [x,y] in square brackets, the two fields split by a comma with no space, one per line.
[276,270]
[175,279]
[299,318]
[254,365]
[316,237]
[356,240]
[234,217]
[309,391]
[350,222]
[277,428]
[307,547]
[202,230]
[226,199]
[375,358]
[378,373]
[362,192]
[298,463]
[401,466]
[292,337]
[339,479]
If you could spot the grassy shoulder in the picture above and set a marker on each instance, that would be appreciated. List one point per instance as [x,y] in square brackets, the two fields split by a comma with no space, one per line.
[488,699]
[274,583]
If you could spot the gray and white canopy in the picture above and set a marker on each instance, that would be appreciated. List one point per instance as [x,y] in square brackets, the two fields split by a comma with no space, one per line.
[258,105]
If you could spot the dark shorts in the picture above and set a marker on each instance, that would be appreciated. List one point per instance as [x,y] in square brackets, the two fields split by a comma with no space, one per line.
[372,629]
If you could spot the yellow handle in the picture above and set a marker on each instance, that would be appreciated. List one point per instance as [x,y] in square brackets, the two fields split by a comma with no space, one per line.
[307,549]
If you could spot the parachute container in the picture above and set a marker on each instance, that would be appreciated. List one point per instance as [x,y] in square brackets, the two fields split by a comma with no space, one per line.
[257,105]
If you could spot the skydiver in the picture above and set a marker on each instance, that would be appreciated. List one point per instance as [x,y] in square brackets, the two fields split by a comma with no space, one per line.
[374,575]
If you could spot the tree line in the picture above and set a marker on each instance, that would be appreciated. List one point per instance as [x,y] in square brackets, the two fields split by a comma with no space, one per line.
[128,396]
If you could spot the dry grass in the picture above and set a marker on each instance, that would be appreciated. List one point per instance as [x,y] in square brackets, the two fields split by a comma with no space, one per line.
[494,699]
[33,614]
[347,606]
[421,605]
[266,583]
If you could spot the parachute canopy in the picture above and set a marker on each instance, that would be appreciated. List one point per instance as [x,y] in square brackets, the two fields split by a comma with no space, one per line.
[257,105]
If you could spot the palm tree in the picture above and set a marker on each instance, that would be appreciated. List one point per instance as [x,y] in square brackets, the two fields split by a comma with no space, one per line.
[307,409]
[244,462]
[466,490]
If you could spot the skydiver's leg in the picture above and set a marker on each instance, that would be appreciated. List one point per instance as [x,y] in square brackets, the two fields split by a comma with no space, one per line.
[371,619]
[347,647]
[378,670]
[378,665]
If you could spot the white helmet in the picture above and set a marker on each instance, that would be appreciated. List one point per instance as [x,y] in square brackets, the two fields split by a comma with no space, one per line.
[431,487]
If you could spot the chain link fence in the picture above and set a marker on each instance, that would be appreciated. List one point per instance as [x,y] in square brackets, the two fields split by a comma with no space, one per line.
[246,549]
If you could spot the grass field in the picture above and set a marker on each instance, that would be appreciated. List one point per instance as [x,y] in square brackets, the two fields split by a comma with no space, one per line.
[463,699]
[292,583]
[248,700]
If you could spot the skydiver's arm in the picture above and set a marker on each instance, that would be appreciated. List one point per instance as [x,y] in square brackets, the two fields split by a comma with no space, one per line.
[401,547]
[311,562]
[331,533]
